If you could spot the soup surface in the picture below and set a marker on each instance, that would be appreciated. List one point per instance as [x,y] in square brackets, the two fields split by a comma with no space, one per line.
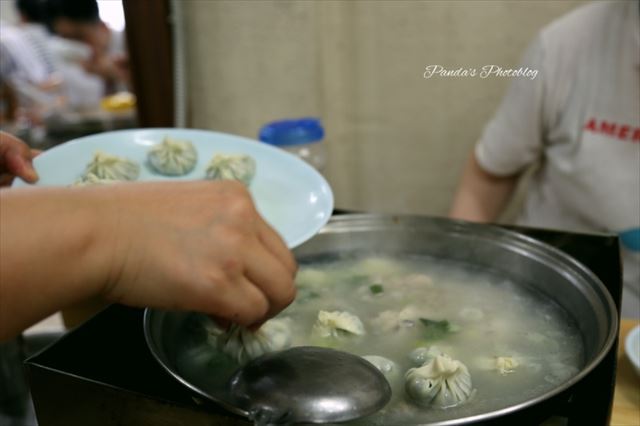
[515,343]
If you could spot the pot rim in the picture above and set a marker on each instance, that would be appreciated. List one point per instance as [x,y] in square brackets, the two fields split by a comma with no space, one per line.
[540,250]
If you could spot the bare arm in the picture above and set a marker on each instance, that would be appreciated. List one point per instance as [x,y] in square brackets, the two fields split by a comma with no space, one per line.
[49,255]
[481,196]
[180,245]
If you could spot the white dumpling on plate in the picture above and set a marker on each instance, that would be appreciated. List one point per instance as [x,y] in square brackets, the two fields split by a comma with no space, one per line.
[232,167]
[442,382]
[173,157]
[244,345]
[91,180]
[337,324]
[112,167]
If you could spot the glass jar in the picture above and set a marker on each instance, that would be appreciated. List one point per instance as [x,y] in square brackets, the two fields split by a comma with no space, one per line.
[302,137]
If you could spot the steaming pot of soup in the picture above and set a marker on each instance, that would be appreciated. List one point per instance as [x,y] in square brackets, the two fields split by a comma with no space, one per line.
[467,322]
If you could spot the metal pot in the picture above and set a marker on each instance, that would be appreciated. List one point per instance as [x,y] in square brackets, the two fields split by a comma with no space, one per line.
[522,259]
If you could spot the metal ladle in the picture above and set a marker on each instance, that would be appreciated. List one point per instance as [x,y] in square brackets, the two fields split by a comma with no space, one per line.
[308,385]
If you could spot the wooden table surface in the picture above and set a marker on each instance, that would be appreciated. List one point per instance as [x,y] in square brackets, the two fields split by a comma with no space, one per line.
[626,400]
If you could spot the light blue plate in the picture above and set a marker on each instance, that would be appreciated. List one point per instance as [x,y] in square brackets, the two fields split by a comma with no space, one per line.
[290,194]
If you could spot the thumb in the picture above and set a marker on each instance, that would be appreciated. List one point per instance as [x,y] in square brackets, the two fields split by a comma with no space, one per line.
[15,158]
[18,163]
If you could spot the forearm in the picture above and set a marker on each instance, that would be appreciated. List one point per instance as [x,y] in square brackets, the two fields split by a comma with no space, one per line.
[50,253]
[481,196]
[174,245]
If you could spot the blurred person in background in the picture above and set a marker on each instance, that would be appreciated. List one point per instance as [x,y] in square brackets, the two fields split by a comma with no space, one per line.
[579,122]
[25,52]
[43,82]
[27,65]
[79,20]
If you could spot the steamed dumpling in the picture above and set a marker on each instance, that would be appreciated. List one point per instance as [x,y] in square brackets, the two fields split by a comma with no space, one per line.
[232,167]
[422,355]
[378,267]
[91,180]
[386,366]
[506,364]
[244,345]
[442,382]
[388,321]
[312,278]
[501,364]
[173,157]
[106,166]
[337,324]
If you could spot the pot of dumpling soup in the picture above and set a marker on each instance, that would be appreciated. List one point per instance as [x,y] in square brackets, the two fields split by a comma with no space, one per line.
[469,323]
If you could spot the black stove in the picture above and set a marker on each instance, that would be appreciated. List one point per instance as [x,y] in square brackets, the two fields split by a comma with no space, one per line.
[102,374]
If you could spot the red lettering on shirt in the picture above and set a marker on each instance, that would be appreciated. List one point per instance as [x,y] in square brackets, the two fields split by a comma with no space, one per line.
[607,128]
[591,125]
[624,132]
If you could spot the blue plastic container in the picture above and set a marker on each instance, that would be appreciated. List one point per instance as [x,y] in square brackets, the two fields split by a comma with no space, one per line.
[302,137]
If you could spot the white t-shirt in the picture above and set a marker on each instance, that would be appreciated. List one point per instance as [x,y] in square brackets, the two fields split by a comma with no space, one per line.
[580,119]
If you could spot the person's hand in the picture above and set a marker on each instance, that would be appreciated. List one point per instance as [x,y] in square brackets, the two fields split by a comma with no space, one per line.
[195,246]
[102,65]
[15,160]
[123,69]
[112,68]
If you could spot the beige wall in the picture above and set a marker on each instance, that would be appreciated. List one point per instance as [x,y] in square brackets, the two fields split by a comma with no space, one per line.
[396,141]
[8,12]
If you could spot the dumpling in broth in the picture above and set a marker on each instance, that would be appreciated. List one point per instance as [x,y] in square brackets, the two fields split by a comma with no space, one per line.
[442,382]
[244,345]
[422,355]
[506,364]
[232,167]
[337,324]
[388,321]
[387,367]
[106,166]
[501,364]
[173,157]
[378,267]
[312,278]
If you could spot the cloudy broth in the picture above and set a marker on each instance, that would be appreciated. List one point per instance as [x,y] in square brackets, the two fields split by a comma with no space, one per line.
[399,300]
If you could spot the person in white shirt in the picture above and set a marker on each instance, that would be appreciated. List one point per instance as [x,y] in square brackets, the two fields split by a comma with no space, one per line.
[579,122]
[79,20]
[31,64]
